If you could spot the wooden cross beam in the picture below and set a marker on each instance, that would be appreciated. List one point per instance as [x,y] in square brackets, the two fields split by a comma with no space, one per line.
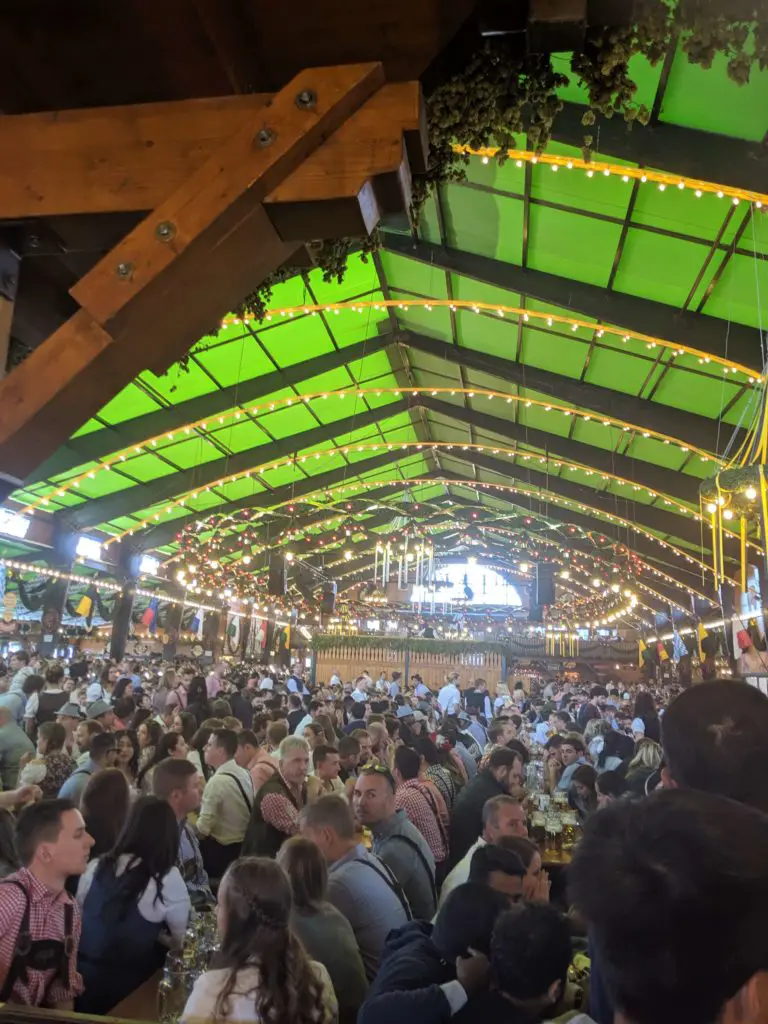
[330,154]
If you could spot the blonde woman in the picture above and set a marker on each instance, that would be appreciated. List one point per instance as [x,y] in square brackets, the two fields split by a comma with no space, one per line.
[265,976]
[645,764]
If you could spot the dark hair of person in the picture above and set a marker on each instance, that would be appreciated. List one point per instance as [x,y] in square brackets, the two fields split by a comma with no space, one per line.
[55,736]
[188,726]
[573,739]
[321,753]
[104,806]
[8,853]
[164,748]
[305,866]
[325,723]
[22,656]
[614,745]
[330,812]
[101,743]
[713,737]
[530,951]
[695,861]
[611,784]
[154,729]
[221,708]
[564,717]
[348,746]
[39,823]
[357,711]
[393,727]
[518,747]
[121,686]
[502,757]
[294,700]
[490,858]
[644,705]
[316,729]
[32,684]
[200,739]
[133,764]
[257,897]
[227,740]
[276,732]
[54,675]
[407,762]
[466,919]
[151,839]
[124,708]
[171,774]
[247,738]
[198,692]
[525,849]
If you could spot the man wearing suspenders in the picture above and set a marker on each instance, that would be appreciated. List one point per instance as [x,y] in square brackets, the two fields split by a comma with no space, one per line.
[227,804]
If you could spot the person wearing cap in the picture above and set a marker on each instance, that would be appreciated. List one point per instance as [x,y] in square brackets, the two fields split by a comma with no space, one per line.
[405,714]
[99,711]
[70,716]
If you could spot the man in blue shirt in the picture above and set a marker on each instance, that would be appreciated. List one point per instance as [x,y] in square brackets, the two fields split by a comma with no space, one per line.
[102,755]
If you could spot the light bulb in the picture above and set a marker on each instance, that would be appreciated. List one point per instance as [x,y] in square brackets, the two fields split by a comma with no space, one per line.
[750,494]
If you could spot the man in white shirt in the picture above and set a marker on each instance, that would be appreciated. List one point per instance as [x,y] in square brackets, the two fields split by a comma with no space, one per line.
[382,683]
[335,680]
[449,697]
[315,707]
[502,816]
[360,692]
[226,806]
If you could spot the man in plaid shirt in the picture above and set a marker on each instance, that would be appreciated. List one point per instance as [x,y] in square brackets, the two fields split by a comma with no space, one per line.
[423,804]
[39,921]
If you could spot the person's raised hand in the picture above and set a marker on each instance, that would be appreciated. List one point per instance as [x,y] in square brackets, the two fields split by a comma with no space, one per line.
[472,971]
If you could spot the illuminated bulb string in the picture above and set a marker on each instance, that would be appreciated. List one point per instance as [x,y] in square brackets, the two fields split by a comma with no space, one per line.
[297,460]
[598,168]
[540,495]
[150,445]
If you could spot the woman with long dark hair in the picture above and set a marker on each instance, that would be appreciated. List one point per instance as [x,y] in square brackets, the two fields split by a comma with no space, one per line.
[128,898]
[197,700]
[170,744]
[441,769]
[127,754]
[186,724]
[646,719]
[584,792]
[323,931]
[264,973]
[104,806]
[149,734]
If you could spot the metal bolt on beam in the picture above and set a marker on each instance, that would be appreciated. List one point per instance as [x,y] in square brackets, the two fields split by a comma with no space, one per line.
[265,137]
[124,271]
[165,230]
[306,99]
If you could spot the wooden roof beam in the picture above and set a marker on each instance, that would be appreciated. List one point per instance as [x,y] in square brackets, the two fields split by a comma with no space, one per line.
[211,241]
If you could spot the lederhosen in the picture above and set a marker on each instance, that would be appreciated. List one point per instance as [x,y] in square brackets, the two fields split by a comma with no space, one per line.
[39,954]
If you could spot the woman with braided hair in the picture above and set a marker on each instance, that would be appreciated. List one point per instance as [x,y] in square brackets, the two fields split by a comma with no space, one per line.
[263,973]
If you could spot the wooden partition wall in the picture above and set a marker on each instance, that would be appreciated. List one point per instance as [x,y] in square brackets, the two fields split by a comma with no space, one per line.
[348,661]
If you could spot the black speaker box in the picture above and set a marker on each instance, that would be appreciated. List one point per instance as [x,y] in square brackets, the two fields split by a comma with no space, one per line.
[277,579]
[328,602]
[545,583]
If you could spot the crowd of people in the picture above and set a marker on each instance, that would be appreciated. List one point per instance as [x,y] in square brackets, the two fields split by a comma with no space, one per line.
[365,845]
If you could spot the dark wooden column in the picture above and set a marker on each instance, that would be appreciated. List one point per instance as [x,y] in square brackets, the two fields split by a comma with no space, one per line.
[61,559]
[128,573]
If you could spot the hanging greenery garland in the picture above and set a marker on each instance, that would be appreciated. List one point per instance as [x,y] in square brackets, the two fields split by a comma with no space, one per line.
[500,94]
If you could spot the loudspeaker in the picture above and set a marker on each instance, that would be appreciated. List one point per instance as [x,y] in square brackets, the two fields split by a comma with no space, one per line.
[328,602]
[545,583]
[277,579]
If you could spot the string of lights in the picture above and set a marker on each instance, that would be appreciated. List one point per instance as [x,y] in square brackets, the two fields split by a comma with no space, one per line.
[152,444]
[599,168]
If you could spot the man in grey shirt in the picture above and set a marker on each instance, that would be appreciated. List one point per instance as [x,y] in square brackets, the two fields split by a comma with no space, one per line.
[102,755]
[360,886]
[396,841]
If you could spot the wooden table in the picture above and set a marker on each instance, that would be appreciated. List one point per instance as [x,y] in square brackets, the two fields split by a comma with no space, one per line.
[141,1004]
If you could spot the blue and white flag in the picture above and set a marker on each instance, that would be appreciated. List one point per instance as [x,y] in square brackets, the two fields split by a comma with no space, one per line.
[196,626]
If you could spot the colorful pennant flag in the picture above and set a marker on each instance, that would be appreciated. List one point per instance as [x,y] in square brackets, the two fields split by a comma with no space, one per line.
[149,618]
